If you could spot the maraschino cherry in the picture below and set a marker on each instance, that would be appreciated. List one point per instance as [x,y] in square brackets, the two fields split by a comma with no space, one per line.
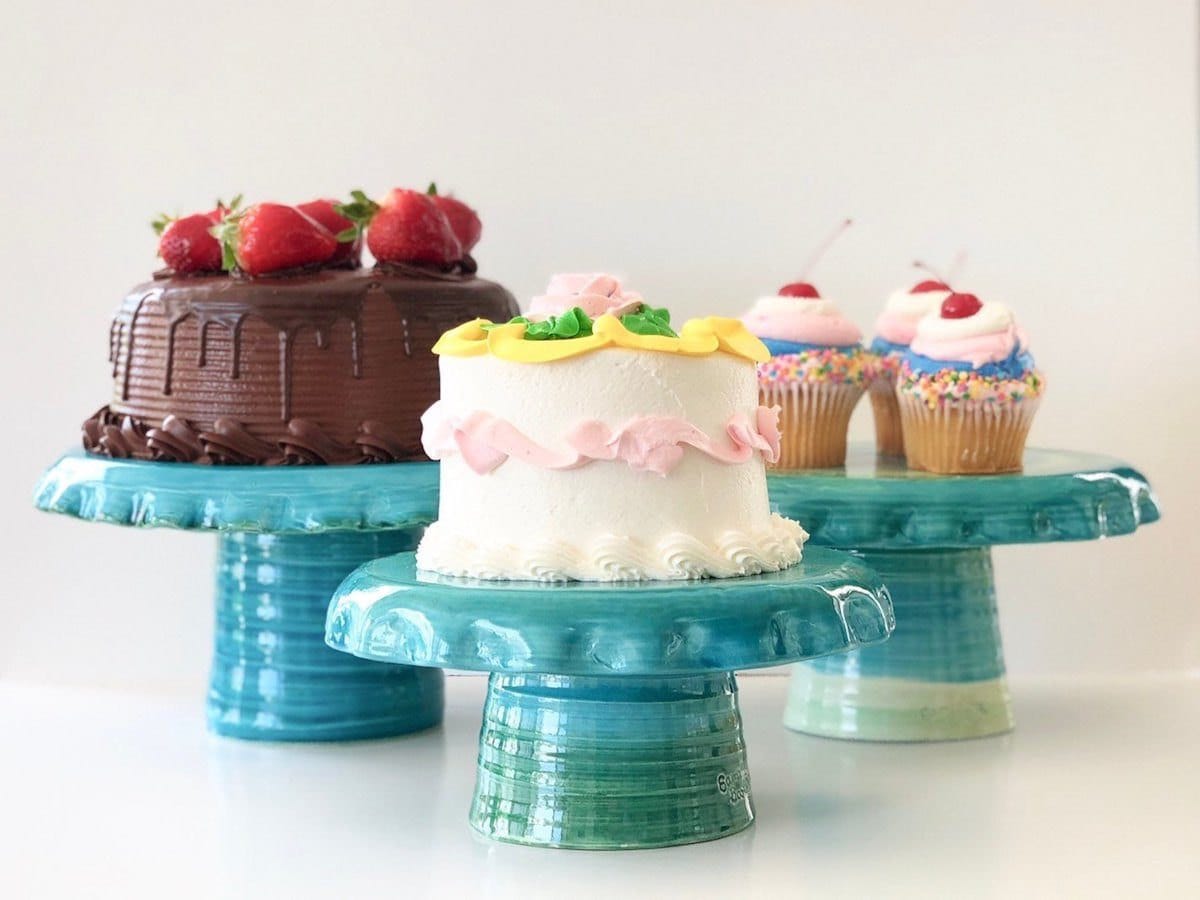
[956,306]
[960,306]
[799,289]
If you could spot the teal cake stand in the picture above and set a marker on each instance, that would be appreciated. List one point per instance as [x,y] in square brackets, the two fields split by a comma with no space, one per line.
[287,537]
[611,718]
[941,677]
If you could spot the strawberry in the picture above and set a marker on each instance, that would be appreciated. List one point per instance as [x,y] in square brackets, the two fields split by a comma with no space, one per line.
[413,230]
[463,219]
[407,227]
[187,247]
[185,244]
[271,237]
[325,213]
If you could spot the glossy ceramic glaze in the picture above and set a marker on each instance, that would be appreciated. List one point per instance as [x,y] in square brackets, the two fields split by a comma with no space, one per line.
[876,503]
[656,761]
[941,676]
[388,611]
[288,535]
[273,677]
[264,499]
[611,720]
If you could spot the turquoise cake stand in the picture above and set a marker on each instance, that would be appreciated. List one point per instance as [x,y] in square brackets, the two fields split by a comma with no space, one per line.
[611,718]
[941,676]
[287,536]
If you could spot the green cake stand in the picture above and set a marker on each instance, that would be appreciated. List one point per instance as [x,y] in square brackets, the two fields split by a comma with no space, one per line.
[287,536]
[611,719]
[941,677]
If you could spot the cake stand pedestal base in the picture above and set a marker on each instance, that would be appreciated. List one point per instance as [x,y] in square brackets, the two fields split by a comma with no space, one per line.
[590,762]
[287,537]
[611,719]
[273,678]
[940,677]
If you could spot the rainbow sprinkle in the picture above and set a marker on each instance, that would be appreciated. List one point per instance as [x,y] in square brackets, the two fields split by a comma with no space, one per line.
[884,366]
[953,386]
[826,365]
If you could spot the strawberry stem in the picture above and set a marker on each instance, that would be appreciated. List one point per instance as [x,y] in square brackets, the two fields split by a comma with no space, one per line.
[432,189]
[226,233]
[360,210]
[231,206]
[160,224]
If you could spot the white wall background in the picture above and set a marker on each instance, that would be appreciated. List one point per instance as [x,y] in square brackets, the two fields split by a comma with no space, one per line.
[698,148]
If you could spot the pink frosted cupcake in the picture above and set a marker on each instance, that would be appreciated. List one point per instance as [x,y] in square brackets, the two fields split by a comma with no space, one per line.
[967,389]
[894,331]
[816,374]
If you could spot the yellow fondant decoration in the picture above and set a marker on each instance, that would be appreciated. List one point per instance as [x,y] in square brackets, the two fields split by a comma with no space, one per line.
[697,337]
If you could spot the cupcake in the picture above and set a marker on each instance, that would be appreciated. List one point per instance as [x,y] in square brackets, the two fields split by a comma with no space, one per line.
[967,390]
[816,373]
[894,330]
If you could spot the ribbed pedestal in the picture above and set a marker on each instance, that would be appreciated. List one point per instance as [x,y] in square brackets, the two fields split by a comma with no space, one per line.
[940,677]
[608,763]
[273,678]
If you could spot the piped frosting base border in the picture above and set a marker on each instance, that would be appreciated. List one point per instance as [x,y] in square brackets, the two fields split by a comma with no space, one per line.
[674,557]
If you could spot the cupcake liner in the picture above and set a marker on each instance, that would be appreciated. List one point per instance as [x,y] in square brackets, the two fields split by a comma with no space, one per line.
[814,421]
[965,438]
[889,434]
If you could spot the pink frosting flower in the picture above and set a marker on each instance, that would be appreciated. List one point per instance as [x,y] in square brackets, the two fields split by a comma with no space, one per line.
[596,294]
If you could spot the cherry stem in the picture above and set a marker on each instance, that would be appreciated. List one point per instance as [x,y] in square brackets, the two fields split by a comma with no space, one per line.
[925,267]
[823,247]
[957,264]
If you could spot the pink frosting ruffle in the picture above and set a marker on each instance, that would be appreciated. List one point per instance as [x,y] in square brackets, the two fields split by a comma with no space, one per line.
[595,294]
[651,443]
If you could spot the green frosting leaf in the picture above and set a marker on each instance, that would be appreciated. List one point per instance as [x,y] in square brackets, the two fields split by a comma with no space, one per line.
[571,324]
[648,320]
[575,323]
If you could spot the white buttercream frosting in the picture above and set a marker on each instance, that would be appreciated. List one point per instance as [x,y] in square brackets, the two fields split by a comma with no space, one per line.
[914,306]
[704,515]
[991,318]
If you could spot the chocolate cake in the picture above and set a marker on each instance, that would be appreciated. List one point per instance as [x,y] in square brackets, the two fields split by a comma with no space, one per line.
[329,366]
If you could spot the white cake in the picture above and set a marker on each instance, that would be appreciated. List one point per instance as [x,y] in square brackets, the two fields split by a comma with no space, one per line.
[612,456]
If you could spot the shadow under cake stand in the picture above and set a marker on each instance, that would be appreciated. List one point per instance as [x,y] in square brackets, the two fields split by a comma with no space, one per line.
[941,676]
[611,719]
[287,537]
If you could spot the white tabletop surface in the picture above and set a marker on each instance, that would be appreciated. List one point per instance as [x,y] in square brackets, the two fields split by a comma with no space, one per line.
[114,795]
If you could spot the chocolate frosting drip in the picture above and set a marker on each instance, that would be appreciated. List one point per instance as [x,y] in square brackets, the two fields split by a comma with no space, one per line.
[331,366]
